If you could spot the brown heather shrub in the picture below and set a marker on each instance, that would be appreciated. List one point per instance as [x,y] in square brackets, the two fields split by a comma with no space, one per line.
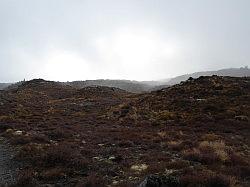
[4,127]
[178,164]
[59,133]
[192,154]
[175,145]
[218,147]
[64,155]
[166,115]
[30,153]
[20,140]
[207,179]
[239,171]
[25,178]
[237,159]
[91,181]
[38,138]
[79,163]
[52,173]
[208,152]
[210,137]
[156,167]
[58,155]
[162,134]
[213,144]
[222,154]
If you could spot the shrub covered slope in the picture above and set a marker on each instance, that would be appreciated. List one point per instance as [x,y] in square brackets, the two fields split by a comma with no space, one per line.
[192,134]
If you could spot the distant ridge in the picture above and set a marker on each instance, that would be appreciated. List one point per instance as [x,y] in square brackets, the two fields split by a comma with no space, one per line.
[4,85]
[232,72]
[130,86]
[143,86]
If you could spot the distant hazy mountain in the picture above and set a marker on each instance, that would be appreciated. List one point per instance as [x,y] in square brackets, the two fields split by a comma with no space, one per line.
[144,86]
[4,85]
[130,86]
[10,86]
[127,85]
[232,72]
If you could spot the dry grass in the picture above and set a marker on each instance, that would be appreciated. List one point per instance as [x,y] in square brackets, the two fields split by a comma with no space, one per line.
[218,147]
[208,152]
[166,115]
[210,137]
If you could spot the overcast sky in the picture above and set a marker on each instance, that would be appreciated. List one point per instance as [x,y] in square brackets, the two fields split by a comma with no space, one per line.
[121,39]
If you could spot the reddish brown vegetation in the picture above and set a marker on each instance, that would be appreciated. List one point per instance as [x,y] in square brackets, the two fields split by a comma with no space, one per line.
[197,131]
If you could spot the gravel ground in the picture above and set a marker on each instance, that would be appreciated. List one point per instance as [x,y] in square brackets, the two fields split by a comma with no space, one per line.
[8,167]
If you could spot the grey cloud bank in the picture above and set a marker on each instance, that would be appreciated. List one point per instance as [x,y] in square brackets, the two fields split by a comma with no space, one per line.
[133,39]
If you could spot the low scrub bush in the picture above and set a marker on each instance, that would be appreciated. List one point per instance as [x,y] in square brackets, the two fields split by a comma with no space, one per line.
[25,178]
[91,181]
[208,152]
[207,179]
[52,174]
[166,115]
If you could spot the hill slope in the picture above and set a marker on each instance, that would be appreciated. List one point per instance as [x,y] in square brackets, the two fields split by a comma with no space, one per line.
[192,134]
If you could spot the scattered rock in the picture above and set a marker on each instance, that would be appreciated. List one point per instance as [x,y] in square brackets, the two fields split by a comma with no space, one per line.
[18,133]
[111,158]
[160,181]
[98,158]
[133,178]
[115,182]
[139,167]
[9,131]
[169,171]
[241,118]
[200,99]
[116,159]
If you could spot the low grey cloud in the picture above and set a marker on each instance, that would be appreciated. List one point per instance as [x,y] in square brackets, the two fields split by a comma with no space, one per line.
[116,39]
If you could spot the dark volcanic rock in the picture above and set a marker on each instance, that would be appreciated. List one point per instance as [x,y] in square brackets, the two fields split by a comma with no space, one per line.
[160,181]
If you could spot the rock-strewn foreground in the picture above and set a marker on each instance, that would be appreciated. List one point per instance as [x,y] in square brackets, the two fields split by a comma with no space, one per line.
[196,133]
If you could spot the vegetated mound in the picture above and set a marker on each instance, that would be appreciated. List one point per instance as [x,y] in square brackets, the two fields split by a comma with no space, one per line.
[209,98]
[192,134]
[130,86]
[48,88]
[101,91]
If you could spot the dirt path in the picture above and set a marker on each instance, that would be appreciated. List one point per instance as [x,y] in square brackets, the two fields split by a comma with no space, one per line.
[8,167]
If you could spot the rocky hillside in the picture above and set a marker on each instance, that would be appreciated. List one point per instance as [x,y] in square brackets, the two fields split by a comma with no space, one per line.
[192,134]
